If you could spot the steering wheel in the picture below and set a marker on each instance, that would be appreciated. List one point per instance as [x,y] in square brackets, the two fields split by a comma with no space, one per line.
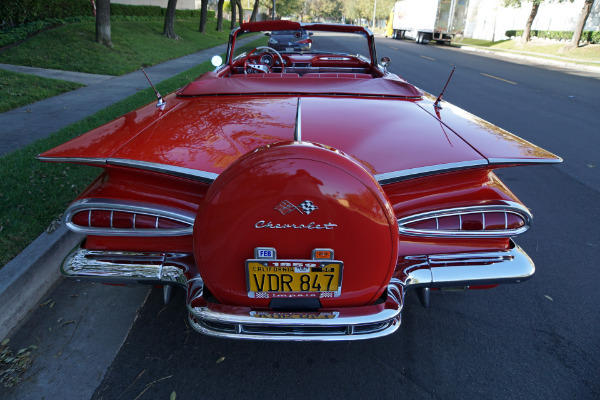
[262,67]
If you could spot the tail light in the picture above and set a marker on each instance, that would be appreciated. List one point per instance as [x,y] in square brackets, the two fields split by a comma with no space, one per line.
[123,218]
[499,220]
[305,41]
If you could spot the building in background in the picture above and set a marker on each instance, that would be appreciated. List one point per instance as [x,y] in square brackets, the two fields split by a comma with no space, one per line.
[181,4]
[489,20]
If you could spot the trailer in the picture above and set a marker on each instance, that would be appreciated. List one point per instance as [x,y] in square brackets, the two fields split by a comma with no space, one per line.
[426,20]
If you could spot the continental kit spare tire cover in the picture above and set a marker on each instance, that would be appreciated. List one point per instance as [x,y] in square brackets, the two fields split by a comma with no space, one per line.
[295,197]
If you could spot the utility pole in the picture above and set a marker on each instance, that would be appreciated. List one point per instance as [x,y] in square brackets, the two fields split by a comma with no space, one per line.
[273,13]
[374,12]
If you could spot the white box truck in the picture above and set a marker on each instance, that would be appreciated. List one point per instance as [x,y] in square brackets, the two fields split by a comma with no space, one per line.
[425,20]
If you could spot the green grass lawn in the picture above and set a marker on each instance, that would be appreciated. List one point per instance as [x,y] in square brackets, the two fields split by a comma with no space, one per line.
[18,90]
[34,193]
[72,47]
[543,48]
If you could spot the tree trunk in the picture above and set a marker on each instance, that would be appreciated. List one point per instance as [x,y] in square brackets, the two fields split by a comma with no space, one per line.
[220,15]
[583,16]
[241,11]
[254,11]
[169,29]
[527,33]
[203,15]
[233,9]
[103,22]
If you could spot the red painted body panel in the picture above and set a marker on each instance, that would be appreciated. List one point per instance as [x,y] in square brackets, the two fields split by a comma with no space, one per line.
[209,133]
[383,135]
[493,142]
[308,158]
[102,142]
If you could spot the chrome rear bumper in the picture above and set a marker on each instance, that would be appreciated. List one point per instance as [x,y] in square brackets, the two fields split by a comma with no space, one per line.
[351,323]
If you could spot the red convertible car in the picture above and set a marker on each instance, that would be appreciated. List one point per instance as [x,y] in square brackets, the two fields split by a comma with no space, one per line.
[299,194]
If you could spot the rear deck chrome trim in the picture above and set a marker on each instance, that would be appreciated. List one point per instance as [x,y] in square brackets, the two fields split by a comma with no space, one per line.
[298,127]
[182,172]
[513,161]
[75,160]
[397,176]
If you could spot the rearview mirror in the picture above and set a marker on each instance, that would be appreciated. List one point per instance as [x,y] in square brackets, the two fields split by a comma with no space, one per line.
[385,62]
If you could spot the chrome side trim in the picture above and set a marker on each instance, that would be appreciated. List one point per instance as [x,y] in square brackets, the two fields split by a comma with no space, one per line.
[188,173]
[397,176]
[502,161]
[506,207]
[202,176]
[78,160]
[154,210]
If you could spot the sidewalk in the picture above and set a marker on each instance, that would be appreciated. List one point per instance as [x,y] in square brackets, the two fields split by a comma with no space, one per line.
[35,121]
[77,77]
[24,125]
[33,277]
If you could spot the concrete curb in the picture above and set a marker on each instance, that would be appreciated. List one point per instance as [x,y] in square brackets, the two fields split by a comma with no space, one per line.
[540,60]
[27,278]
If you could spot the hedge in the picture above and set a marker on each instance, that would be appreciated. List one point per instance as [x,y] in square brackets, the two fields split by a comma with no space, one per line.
[592,37]
[17,12]
[60,12]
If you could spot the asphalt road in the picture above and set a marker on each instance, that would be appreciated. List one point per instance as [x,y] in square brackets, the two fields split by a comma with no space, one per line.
[535,340]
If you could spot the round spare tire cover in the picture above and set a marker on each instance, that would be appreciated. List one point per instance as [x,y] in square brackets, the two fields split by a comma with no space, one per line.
[296,197]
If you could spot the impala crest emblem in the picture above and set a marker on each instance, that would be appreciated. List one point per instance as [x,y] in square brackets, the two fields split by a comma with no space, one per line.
[286,207]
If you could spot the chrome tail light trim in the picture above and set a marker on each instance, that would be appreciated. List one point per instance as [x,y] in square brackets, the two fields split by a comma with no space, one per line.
[506,207]
[135,208]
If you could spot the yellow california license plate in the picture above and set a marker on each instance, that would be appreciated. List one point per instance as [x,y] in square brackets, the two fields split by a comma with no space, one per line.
[282,278]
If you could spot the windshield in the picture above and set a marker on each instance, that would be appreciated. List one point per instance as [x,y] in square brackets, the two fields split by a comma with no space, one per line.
[306,42]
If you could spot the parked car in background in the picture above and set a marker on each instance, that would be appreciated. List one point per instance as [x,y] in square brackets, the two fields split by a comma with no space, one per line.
[290,40]
[299,196]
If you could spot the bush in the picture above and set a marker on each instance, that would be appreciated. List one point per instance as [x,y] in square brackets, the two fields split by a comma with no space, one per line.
[23,31]
[32,18]
[592,37]
[17,12]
